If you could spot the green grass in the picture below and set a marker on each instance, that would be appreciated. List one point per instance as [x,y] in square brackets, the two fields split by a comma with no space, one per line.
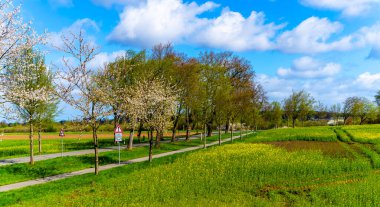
[20,148]
[240,174]
[22,172]
[372,155]
[364,133]
[245,173]
[300,134]
[342,135]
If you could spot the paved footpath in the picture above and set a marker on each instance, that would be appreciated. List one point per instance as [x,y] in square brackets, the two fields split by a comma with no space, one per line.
[73,153]
[14,186]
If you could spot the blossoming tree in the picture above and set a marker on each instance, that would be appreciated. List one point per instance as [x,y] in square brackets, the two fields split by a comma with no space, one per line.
[76,84]
[28,87]
[154,102]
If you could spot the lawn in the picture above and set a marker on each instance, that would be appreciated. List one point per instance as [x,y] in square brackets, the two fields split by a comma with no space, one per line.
[282,167]
[17,145]
[21,172]
[324,134]
[241,174]
[364,134]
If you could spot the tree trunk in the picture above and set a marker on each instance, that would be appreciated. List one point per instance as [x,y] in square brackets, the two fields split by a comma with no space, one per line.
[140,131]
[187,124]
[158,139]
[131,133]
[294,122]
[39,139]
[174,130]
[150,145]
[96,148]
[115,123]
[31,143]
[209,129]
[227,126]
[287,122]
[205,140]
[220,135]
[241,127]
[193,125]
[232,140]
[362,120]
[175,125]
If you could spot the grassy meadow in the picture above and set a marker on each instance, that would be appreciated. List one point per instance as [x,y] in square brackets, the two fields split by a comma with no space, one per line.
[22,172]
[316,166]
[17,144]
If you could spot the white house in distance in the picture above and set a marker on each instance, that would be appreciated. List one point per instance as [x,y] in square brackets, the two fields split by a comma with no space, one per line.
[333,122]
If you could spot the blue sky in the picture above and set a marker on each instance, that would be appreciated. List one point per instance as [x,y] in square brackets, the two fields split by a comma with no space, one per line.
[330,48]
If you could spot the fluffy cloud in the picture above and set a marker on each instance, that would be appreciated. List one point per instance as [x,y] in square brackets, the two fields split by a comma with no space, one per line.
[149,22]
[103,58]
[368,80]
[145,23]
[312,36]
[234,32]
[348,7]
[307,67]
[54,38]
[162,21]
[158,21]
[371,36]
[329,90]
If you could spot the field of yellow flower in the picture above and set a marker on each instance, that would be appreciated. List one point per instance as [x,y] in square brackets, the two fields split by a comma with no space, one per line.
[246,173]
[364,133]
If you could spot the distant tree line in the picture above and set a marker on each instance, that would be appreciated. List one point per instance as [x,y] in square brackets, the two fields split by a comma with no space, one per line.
[301,109]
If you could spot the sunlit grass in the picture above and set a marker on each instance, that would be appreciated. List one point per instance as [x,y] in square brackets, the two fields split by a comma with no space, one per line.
[300,134]
[231,175]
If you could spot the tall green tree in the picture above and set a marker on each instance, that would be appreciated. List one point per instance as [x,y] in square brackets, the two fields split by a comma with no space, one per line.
[276,114]
[45,116]
[213,77]
[298,106]
[360,108]
[117,76]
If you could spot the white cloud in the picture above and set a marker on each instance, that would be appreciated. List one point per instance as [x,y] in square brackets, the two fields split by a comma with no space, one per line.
[307,67]
[158,21]
[162,21]
[314,35]
[368,80]
[371,36]
[54,38]
[148,22]
[329,90]
[103,58]
[234,32]
[348,7]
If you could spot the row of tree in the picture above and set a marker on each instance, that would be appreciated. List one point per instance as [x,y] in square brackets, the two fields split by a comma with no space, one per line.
[145,90]
[301,107]
[155,90]
[151,91]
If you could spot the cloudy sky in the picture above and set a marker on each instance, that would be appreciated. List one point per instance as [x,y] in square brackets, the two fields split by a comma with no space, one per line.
[330,48]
